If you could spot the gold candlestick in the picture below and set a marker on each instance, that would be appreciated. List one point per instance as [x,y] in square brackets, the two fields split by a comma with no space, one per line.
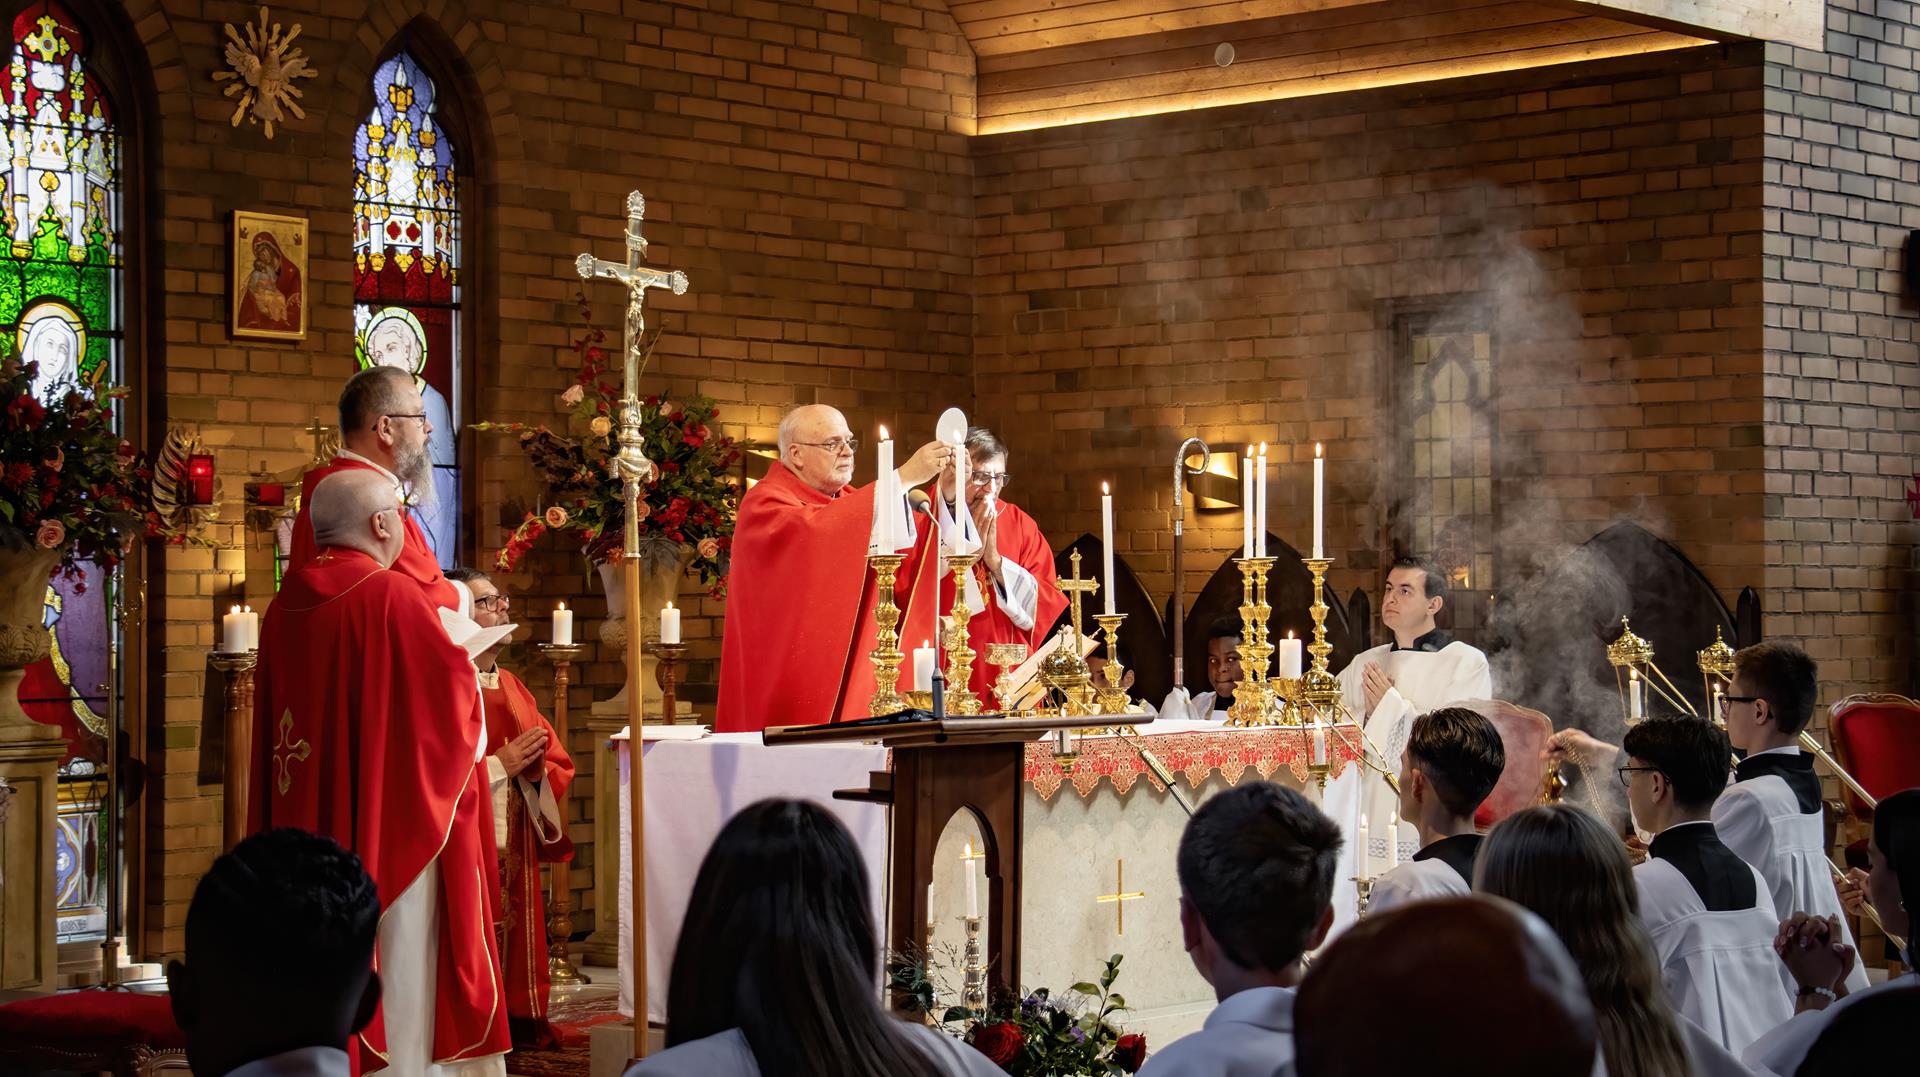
[560,967]
[1113,698]
[1253,696]
[1006,657]
[960,698]
[1319,688]
[886,655]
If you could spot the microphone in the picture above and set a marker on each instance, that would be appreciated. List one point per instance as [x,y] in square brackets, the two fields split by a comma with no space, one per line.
[920,502]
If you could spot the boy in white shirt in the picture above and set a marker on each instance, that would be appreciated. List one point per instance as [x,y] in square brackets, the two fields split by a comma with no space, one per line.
[1451,763]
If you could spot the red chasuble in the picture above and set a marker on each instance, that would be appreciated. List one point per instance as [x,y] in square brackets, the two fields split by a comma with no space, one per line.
[800,598]
[511,711]
[366,728]
[416,557]
[1022,544]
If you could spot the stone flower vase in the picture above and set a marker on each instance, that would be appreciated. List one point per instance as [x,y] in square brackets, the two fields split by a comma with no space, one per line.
[23,636]
[660,578]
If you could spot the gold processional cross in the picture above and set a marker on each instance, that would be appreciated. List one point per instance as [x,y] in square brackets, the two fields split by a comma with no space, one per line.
[286,752]
[1120,896]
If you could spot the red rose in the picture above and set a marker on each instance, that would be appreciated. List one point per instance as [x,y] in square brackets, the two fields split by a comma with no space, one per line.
[1000,1042]
[1130,1051]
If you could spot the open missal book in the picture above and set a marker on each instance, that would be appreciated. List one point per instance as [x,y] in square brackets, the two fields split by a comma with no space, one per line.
[1028,690]
[472,638]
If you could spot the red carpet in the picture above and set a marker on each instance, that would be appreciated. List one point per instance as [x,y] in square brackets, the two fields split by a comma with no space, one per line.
[571,1018]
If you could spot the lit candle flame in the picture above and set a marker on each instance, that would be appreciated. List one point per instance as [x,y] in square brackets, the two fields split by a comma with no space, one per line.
[1103,489]
[563,605]
[883,433]
[1316,449]
[968,852]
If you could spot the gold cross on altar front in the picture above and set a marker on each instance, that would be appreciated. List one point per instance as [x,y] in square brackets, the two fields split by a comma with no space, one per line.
[1120,896]
[1075,588]
[295,751]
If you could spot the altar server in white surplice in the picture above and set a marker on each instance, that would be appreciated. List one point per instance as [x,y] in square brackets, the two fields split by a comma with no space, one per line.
[1386,687]
[1453,760]
[1772,816]
[1709,913]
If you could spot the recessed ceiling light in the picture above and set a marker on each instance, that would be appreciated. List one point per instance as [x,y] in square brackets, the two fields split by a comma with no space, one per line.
[1223,54]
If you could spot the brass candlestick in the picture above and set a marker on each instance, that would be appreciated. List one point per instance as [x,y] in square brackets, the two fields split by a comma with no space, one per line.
[960,698]
[238,756]
[1006,657]
[560,967]
[666,673]
[1113,698]
[1253,696]
[886,656]
[973,989]
[1319,688]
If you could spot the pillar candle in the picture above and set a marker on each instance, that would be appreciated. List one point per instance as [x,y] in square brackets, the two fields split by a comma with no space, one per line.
[562,625]
[1319,502]
[1246,504]
[923,663]
[1393,841]
[252,621]
[1360,861]
[1106,543]
[669,624]
[885,493]
[1290,658]
[973,884]
[233,632]
[1634,705]
[1260,498]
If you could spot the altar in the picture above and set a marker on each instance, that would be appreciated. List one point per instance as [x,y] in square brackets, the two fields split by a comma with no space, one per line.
[1099,839]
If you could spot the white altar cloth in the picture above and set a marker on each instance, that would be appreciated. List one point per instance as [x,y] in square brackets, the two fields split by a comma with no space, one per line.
[692,789]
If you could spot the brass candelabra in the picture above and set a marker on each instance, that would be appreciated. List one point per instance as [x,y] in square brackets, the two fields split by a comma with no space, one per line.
[1253,697]
[960,698]
[886,656]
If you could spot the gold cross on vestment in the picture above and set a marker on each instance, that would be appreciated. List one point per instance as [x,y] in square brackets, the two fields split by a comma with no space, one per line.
[295,751]
[1075,588]
[1120,896]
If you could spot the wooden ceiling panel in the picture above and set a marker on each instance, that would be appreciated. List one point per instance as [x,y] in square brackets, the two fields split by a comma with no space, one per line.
[1003,27]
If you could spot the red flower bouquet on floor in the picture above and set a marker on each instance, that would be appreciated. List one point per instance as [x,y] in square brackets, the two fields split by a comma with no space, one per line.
[1040,1035]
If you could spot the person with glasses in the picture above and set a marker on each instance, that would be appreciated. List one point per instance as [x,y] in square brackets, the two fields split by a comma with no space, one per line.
[1013,593]
[1709,913]
[1773,815]
[384,429]
[529,771]
[800,597]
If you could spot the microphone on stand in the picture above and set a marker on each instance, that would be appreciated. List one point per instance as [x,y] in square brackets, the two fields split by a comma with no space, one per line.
[921,503]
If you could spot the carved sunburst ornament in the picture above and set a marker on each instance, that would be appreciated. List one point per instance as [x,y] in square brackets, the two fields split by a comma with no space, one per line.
[264,65]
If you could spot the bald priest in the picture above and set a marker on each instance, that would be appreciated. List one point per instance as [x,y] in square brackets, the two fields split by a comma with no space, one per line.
[800,597]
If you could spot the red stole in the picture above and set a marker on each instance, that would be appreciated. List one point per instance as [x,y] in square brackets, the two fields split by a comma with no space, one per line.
[366,721]
[800,597]
[511,711]
[416,557]
[1022,543]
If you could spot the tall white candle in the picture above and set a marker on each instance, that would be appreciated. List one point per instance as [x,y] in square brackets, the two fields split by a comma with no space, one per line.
[886,492]
[252,621]
[1634,704]
[1106,542]
[1319,502]
[923,663]
[1393,841]
[1246,504]
[233,632]
[973,884]
[1319,757]
[1291,658]
[562,625]
[1361,861]
[1260,496]
[669,624]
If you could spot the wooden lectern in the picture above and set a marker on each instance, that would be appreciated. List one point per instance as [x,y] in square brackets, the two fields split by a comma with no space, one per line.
[941,765]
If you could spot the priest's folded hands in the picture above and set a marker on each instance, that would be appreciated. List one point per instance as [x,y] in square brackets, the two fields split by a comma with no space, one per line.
[525,755]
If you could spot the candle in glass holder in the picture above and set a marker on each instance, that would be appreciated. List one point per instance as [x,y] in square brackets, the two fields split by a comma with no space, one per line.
[669,624]
[1635,707]
[562,625]
[1319,750]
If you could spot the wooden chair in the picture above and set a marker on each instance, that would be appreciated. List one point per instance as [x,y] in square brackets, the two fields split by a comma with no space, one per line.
[1523,734]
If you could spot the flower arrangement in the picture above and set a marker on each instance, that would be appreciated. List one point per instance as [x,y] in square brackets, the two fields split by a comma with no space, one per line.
[1040,1035]
[68,481]
[688,503]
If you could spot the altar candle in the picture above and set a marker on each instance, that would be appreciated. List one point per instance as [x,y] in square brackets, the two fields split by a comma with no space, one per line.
[1106,542]
[233,632]
[1361,861]
[1246,504]
[885,493]
[669,624]
[923,663]
[1634,706]
[1319,502]
[1260,498]
[1319,757]
[1290,660]
[1393,841]
[973,884]
[252,621]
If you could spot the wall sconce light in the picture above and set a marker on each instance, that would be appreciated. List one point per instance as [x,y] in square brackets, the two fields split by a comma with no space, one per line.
[1217,487]
[198,488]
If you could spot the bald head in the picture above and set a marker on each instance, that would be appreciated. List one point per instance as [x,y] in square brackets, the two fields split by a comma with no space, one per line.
[356,509]
[804,433]
[1445,965]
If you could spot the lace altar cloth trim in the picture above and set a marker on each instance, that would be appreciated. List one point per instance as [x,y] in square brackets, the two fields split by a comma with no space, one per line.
[1192,756]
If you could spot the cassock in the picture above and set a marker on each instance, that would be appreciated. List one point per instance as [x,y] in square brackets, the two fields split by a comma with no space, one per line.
[416,557]
[1442,869]
[1772,817]
[1205,707]
[1249,1034]
[1435,671]
[800,598]
[529,828]
[367,729]
[1712,922]
[1021,608]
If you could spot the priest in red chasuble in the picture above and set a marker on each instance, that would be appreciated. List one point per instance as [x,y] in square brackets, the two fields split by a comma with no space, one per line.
[529,772]
[1014,594]
[800,597]
[383,431]
[367,729]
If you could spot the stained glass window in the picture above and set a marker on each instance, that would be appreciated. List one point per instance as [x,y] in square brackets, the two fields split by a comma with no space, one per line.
[406,245]
[1446,508]
[60,306]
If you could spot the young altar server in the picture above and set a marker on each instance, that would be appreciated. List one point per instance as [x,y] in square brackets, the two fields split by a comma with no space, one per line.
[1708,912]
[1420,670]
[1223,676]
[1452,761]
[1772,816]
[1256,872]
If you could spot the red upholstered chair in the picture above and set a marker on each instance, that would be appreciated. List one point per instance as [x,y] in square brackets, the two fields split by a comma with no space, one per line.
[129,1035]
[1876,737]
[1523,734]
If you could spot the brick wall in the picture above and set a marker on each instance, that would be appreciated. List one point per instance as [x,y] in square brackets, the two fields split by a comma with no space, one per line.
[806,165]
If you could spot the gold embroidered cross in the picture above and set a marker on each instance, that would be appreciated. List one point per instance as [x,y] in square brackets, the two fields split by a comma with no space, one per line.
[296,751]
[1120,896]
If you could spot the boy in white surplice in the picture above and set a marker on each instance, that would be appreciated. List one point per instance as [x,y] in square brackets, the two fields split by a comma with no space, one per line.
[1709,913]
[1772,816]
[1452,761]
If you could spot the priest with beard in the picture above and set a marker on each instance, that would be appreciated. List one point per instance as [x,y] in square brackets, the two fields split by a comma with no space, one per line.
[528,771]
[367,729]
[1385,688]
[384,430]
